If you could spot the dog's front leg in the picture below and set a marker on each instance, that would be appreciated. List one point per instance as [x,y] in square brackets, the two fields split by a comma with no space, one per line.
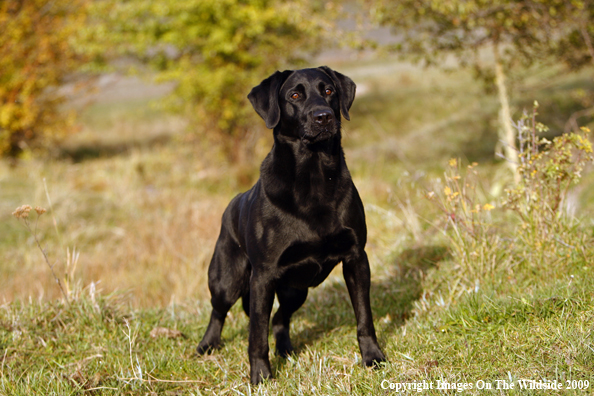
[261,298]
[358,279]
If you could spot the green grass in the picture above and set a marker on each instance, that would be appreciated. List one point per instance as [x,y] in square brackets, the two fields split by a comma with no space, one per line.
[100,343]
[144,213]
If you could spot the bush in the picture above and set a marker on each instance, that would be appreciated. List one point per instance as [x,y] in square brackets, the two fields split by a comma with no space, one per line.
[547,169]
[530,230]
[37,55]
[215,50]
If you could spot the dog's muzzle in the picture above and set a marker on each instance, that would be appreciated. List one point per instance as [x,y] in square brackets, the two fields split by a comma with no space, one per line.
[322,126]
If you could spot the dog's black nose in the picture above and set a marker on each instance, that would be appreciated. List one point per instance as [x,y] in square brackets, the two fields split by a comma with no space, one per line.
[323,117]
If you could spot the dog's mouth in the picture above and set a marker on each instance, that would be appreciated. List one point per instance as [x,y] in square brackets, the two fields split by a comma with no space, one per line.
[318,134]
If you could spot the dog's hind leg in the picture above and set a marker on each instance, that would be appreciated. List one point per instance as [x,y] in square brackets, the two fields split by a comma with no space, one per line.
[228,279]
[290,299]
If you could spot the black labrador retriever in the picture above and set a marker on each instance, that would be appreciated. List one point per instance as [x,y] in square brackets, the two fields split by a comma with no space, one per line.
[301,218]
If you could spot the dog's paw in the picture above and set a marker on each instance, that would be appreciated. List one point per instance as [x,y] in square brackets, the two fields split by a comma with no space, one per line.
[206,347]
[260,371]
[375,361]
[284,351]
[283,344]
[373,356]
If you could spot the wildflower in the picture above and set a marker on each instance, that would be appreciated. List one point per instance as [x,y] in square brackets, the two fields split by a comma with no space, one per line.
[488,207]
[22,212]
[453,162]
[584,144]
[40,210]
[447,191]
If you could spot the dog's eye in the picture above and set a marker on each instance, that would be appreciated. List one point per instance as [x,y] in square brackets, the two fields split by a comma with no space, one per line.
[295,96]
[328,91]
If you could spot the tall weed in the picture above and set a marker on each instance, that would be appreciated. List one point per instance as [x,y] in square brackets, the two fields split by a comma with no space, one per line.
[466,220]
[528,230]
[546,230]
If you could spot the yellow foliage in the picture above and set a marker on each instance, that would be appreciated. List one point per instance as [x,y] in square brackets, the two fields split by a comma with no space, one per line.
[36,56]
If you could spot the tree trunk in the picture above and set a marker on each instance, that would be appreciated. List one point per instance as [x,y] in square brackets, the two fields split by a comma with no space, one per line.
[507,134]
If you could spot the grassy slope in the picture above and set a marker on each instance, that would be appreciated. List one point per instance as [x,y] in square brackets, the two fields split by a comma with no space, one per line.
[100,343]
[144,222]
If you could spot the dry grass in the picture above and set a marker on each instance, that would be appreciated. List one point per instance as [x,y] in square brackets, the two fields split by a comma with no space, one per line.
[144,223]
[141,221]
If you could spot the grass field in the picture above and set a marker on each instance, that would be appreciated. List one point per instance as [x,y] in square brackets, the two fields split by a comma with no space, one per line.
[488,305]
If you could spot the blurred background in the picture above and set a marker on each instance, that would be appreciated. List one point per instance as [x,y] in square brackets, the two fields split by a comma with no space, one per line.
[129,121]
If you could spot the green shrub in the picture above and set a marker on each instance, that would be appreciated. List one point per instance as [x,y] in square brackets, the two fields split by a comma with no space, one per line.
[548,169]
[215,51]
[530,230]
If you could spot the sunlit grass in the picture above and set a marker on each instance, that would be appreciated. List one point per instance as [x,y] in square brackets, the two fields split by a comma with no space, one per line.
[101,343]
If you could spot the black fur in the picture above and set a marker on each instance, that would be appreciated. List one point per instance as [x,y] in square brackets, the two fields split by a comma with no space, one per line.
[301,218]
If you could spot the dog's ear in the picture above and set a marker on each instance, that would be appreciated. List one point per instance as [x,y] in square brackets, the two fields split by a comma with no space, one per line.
[346,89]
[264,97]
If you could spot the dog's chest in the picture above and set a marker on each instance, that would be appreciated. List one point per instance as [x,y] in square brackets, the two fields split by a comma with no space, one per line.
[302,182]
[306,263]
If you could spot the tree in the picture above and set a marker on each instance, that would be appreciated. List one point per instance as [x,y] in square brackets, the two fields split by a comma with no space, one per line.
[215,50]
[575,46]
[37,55]
[515,31]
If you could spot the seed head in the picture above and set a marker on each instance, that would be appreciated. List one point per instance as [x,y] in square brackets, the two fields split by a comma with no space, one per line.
[40,210]
[22,212]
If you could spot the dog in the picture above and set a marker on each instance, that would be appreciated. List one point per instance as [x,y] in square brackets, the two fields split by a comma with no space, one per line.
[301,218]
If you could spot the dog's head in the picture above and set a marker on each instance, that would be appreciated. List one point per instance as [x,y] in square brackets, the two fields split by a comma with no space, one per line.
[304,104]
